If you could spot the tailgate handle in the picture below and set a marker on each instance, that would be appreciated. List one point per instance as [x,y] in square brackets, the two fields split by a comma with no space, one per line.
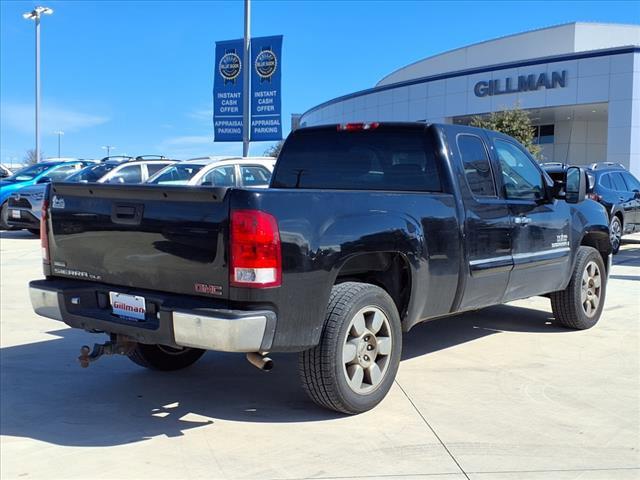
[127,213]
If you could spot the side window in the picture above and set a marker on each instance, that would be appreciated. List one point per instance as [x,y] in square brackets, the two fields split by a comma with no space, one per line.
[254,175]
[154,168]
[631,181]
[63,172]
[476,165]
[220,177]
[618,182]
[605,181]
[521,178]
[128,174]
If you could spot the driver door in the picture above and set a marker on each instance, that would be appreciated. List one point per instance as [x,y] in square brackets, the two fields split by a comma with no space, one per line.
[540,228]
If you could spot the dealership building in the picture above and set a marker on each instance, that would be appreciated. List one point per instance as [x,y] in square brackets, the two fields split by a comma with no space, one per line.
[579,82]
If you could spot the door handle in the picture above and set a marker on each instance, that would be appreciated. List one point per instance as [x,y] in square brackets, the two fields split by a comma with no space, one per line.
[522,220]
[126,213]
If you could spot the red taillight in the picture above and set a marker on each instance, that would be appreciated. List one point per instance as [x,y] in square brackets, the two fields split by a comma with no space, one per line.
[256,259]
[355,127]
[44,231]
[594,196]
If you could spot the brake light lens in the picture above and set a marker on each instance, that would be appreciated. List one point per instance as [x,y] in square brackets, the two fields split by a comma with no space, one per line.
[44,231]
[256,259]
[356,127]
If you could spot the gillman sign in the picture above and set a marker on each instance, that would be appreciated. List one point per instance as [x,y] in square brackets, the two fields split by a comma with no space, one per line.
[523,83]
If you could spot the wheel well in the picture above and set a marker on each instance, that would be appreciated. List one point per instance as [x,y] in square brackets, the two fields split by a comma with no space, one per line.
[388,270]
[619,215]
[600,242]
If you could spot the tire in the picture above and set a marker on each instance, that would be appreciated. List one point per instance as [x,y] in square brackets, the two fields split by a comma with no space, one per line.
[615,234]
[160,357]
[579,306]
[34,231]
[4,217]
[362,325]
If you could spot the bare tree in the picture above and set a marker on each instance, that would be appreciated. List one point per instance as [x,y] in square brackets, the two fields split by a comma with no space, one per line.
[274,150]
[30,157]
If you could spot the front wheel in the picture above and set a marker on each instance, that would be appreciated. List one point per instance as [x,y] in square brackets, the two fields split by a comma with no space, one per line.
[161,357]
[353,367]
[580,305]
[615,234]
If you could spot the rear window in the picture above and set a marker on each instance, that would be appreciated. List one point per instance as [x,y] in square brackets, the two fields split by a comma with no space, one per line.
[385,158]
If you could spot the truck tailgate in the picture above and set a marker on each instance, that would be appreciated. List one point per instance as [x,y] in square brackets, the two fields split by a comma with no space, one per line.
[168,239]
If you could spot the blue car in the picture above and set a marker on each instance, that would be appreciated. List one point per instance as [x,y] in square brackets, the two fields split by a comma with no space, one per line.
[43,172]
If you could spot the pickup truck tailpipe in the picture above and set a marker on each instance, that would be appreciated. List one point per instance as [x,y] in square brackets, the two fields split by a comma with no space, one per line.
[118,345]
[260,361]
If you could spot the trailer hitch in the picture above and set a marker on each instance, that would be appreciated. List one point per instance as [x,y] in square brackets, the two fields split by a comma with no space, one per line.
[118,345]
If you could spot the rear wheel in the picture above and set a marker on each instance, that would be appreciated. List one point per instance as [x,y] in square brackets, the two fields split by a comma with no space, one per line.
[615,233]
[353,367]
[4,217]
[580,305]
[161,357]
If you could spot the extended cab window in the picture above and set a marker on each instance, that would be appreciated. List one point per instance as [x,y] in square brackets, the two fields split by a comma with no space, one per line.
[476,165]
[521,178]
[383,158]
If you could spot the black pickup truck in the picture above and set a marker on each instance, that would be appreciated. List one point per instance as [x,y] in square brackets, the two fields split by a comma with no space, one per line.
[366,230]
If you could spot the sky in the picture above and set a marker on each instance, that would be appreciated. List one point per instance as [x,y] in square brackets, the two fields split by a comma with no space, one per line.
[138,75]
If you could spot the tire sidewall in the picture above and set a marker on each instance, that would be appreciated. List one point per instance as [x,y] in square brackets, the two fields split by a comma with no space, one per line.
[592,256]
[616,219]
[375,297]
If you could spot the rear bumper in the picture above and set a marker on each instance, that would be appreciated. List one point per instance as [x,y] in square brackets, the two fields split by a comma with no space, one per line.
[27,219]
[171,320]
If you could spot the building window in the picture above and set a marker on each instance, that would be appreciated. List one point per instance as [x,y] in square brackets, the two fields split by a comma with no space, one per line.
[543,134]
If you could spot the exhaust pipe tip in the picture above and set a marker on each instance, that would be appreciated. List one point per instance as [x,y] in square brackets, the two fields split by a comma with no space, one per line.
[261,362]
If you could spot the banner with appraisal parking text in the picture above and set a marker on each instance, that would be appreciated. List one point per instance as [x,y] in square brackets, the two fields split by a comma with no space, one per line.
[266,72]
[227,91]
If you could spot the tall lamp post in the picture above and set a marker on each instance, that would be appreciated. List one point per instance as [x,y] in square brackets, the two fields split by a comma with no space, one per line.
[108,148]
[59,133]
[35,15]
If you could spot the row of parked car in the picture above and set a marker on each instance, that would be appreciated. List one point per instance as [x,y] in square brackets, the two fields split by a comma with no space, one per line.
[22,193]
[616,189]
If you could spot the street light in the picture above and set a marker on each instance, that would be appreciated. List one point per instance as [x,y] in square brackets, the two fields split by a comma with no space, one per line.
[59,133]
[108,148]
[35,15]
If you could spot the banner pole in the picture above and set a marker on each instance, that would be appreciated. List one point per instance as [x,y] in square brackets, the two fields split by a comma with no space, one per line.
[246,60]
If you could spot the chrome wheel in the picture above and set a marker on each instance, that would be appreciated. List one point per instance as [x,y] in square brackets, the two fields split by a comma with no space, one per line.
[591,289]
[615,233]
[366,350]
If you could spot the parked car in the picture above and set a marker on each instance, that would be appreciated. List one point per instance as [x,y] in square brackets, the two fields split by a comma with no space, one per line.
[25,206]
[5,172]
[366,230]
[39,173]
[135,171]
[617,189]
[216,172]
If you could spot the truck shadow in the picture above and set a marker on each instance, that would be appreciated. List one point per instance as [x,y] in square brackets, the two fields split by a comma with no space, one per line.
[17,234]
[48,397]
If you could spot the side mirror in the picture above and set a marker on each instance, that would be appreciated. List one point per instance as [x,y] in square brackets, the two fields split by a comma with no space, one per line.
[45,180]
[575,184]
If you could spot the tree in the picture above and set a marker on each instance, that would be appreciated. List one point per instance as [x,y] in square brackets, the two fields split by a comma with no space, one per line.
[513,122]
[30,157]
[274,150]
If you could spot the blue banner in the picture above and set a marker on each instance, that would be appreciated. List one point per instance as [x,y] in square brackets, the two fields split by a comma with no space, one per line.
[227,91]
[266,72]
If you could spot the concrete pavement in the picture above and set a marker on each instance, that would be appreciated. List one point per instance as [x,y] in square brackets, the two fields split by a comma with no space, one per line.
[503,393]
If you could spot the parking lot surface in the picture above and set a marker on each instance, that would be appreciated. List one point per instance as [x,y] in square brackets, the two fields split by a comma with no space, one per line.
[502,393]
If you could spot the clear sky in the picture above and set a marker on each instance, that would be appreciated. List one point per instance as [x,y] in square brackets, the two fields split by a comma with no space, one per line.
[139,75]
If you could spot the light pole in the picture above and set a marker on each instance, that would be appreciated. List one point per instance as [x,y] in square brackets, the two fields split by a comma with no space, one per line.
[35,15]
[246,55]
[108,148]
[59,133]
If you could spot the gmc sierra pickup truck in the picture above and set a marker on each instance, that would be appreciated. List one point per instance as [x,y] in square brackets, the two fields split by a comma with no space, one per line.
[365,231]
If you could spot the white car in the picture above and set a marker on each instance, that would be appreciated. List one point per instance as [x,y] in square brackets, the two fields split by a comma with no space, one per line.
[218,172]
[135,171]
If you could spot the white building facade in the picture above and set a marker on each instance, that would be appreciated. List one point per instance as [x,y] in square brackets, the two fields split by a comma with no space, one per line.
[579,82]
